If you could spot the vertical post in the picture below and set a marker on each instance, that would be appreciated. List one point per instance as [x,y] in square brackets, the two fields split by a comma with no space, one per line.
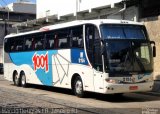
[5,28]
[5,25]
[76,9]
[6,21]
[47,14]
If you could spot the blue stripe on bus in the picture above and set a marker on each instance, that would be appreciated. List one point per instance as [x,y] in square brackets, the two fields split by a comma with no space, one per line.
[77,56]
[26,58]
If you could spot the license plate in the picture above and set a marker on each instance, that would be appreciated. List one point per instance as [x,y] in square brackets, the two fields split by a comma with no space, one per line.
[133,87]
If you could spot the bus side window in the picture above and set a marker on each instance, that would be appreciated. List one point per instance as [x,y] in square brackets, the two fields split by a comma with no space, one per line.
[80,42]
[28,44]
[38,42]
[13,46]
[63,43]
[89,41]
[38,45]
[19,44]
[16,44]
[93,47]
[97,55]
[56,41]
[33,43]
[7,45]
[76,37]
[49,41]
[63,38]
[74,42]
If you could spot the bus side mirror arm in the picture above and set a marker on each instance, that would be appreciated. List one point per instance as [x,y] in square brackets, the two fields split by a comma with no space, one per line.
[154,48]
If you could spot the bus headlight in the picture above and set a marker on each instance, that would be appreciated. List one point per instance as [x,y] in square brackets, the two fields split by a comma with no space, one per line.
[111,81]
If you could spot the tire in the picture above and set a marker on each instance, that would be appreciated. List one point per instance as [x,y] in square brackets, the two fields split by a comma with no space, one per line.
[23,80]
[16,79]
[78,87]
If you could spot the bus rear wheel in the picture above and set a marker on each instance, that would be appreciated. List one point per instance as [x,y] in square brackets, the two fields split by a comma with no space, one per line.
[23,80]
[78,87]
[16,79]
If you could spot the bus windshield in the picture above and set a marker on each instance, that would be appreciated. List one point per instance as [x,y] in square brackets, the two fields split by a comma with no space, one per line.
[127,49]
[128,56]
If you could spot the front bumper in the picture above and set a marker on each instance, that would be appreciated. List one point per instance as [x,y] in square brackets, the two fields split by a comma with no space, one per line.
[126,88]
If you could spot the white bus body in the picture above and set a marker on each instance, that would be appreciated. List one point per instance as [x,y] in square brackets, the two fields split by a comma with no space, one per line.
[80,55]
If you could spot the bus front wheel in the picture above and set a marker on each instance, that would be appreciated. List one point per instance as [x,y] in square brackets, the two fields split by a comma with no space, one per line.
[78,87]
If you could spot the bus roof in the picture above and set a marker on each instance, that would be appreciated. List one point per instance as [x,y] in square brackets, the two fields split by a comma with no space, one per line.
[74,23]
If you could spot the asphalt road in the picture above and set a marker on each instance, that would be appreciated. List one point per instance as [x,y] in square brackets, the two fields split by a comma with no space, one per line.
[41,99]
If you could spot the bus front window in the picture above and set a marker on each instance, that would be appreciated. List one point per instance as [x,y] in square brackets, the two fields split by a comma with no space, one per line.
[126,56]
[127,49]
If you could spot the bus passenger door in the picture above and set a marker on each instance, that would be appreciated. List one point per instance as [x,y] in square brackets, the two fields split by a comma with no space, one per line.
[98,67]
[93,46]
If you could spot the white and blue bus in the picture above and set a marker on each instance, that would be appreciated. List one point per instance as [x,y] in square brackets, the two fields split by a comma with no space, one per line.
[103,56]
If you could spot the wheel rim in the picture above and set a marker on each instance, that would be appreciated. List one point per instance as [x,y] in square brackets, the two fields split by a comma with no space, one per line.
[78,87]
[23,80]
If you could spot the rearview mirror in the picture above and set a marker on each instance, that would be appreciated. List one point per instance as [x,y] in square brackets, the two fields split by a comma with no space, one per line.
[153,48]
[154,51]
